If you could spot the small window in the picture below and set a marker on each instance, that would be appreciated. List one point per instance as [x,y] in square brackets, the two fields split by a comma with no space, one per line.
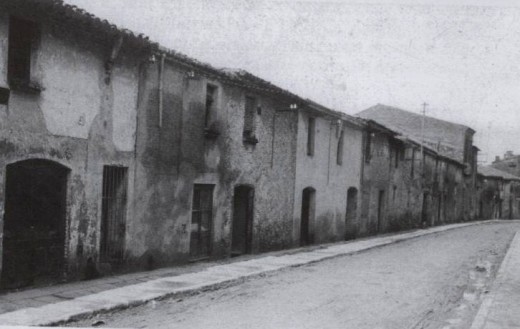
[249,120]
[413,163]
[22,34]
[368,147]
[211,94]
[339,152]
[311,132]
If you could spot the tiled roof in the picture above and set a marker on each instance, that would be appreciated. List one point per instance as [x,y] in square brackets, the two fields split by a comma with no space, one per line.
[488,171]
[62,12]
[447,138]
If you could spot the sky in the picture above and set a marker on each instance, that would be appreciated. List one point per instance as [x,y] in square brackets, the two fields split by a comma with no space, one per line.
[461,57]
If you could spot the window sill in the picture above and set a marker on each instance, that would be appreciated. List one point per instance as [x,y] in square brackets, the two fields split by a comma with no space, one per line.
[29,87]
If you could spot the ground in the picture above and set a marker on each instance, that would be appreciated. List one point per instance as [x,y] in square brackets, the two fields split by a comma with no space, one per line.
[435,281]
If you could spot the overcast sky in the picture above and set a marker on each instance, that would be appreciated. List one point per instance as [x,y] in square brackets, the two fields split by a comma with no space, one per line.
[461,57]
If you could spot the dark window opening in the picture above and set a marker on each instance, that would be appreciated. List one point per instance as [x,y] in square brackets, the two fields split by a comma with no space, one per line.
[311,131]
[201,221]
[339,152]
[22,34]
[113,214]
[249,121]
[413,164]
[396,158]
[211,93]
[368,146]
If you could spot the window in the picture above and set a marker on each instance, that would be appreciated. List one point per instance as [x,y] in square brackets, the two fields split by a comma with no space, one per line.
[311,131]
[249,121]
[368,147]
[413,163]
[22,34]
[396,158]
[339,152]
[211,93]
[113,213]
[201,221]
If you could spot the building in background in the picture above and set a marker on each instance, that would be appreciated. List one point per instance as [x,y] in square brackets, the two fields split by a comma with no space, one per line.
[423,174]
[510,163]
[498,193]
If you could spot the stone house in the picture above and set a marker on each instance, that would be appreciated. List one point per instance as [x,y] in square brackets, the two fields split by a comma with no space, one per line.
[411,191]
[216,157]
[68,107]
[498,193]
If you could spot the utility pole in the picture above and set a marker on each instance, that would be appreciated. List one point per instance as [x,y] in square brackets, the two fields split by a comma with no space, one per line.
[424,105]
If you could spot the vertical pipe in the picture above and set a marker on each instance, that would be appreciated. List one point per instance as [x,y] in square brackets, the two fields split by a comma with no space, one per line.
[161,87]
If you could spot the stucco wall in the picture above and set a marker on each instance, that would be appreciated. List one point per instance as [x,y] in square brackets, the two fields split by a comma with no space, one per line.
[322,172]
[76,121]
[174,157]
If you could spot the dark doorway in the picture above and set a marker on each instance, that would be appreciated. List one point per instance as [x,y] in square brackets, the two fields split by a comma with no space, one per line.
[113,216]
[425,210]
[243,209]
[510,208]
[201,221]
[439,210]
[307,220]
[351,213]
[34,223]
[380,210]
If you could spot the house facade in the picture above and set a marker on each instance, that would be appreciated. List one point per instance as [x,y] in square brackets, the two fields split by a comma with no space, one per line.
[412,181]
[328,171]
[68,110]
[498,193]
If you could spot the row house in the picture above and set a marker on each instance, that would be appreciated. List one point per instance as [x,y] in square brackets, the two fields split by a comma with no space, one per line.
[68,108]
[117,154]
[411,180]
[498,193]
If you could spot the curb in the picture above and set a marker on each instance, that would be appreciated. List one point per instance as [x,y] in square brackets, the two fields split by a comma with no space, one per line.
[481,319]
[212,278]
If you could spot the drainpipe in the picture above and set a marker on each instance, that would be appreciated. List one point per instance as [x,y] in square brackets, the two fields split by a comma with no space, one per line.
[161,87]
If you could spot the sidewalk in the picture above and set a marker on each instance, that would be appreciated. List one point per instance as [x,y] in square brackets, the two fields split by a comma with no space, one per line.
[58,304]
[500,309]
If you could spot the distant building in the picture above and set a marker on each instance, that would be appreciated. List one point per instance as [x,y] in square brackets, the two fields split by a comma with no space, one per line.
[510,163]
[438,188]
[498,193]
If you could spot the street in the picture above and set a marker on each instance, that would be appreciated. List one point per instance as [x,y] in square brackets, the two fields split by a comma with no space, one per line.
[435,281]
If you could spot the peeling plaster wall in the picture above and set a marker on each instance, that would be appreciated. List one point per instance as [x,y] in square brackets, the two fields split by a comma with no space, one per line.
[175,156]
[330,180]
[77,120]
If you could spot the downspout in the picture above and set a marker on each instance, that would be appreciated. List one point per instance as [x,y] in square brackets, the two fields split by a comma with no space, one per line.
[161,87]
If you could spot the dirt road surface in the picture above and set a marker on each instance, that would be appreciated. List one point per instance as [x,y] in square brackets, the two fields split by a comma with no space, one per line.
[435,281]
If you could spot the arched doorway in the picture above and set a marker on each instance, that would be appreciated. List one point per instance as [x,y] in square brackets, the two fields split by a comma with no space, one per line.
[34,223]
[307,219]
[243,210]
[351,213]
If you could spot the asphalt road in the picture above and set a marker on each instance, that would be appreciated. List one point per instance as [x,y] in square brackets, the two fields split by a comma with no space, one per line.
[435,281]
